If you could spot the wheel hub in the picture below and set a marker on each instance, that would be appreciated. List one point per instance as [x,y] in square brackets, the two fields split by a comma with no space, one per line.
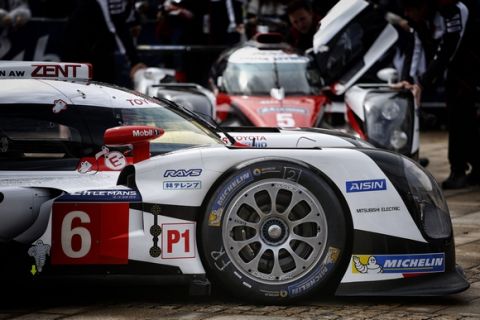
[274,231]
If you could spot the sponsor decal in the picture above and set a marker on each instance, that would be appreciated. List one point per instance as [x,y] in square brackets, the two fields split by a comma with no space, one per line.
[411,263]
[253,55]
[366,185]
[12,73]
[59,105]
[378,209]
[102,196]
[332,257]
[115,161]
[180,173]
[102,152]
[225,194]
[279,294]
[182,185]
[145,133]
[251,141]
[178,240]
[138,101]
[265,110]
[55,70]
[105,160]
[260,171]
[155,231]
[85,166]
[39,251]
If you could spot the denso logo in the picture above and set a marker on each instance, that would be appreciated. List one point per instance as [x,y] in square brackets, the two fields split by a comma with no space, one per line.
[366,185]
[183,173]
[145,133]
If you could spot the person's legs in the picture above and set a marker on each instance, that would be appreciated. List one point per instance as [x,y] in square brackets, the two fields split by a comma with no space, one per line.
[463,137]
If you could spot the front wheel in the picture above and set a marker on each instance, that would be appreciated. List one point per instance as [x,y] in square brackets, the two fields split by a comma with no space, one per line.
[274,231]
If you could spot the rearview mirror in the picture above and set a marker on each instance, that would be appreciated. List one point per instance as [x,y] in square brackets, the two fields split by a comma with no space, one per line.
[389,75]
[137,136]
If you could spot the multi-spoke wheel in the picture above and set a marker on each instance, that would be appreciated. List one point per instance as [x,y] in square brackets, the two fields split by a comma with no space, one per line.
[274,231]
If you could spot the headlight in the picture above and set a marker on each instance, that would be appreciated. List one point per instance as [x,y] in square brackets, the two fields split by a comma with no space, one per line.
[389,120]
[419,191]
[398,139]
[391,110]
[429,201]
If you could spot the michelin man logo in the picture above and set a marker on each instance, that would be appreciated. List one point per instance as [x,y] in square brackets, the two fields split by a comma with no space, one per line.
[39,251]
[59,105]
[370,267]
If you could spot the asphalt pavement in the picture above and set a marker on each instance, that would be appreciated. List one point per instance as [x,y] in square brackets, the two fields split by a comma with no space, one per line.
[166,303]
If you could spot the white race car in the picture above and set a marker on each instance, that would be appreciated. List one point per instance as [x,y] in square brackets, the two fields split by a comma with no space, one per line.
[80,195]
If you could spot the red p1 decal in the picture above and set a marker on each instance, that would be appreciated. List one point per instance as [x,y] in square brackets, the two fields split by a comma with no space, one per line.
[178,240]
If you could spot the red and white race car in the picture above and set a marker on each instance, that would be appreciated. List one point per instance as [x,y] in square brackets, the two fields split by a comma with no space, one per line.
[81,196]
[266,83]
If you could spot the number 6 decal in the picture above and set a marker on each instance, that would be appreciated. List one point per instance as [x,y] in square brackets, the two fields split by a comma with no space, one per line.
[68,233]
[90,233]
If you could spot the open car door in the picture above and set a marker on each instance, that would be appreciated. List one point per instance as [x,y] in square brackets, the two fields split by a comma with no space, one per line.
[351,38]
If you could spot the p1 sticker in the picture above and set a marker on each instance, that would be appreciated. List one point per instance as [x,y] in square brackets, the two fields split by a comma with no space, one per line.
[178,240]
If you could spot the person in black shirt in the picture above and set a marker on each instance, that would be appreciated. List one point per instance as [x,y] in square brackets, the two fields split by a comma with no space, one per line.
[456,51]
[446,33]
[95,30]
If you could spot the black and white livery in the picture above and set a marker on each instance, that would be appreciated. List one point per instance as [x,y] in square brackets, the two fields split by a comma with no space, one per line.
[325,212]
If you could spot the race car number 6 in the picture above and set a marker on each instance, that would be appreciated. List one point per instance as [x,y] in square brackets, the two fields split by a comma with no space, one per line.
[68,233]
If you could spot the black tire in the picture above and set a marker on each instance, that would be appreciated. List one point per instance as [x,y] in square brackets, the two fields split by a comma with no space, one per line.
[274,253]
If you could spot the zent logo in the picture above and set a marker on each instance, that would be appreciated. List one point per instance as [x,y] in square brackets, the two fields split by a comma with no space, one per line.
[366,185]
[178,240]
[54,70]
[183,173]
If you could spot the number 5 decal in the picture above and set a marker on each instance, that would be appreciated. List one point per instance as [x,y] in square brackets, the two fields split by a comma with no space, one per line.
[68,233]
[90,233]
[285,120]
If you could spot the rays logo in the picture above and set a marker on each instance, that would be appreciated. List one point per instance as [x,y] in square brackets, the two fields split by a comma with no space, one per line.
[183,173]
[366,185]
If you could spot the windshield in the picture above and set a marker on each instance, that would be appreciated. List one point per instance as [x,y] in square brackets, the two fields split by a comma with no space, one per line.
[179,132]
[32,137]
[255,76]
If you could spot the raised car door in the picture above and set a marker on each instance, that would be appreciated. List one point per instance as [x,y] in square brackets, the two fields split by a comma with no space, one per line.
[351,38]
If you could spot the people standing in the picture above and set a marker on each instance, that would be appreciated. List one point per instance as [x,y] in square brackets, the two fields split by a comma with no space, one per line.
[225,22]
[442,47]
[457,51]
[95,31]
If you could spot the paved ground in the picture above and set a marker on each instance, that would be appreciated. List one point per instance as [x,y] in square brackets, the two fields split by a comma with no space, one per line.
[170,303]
